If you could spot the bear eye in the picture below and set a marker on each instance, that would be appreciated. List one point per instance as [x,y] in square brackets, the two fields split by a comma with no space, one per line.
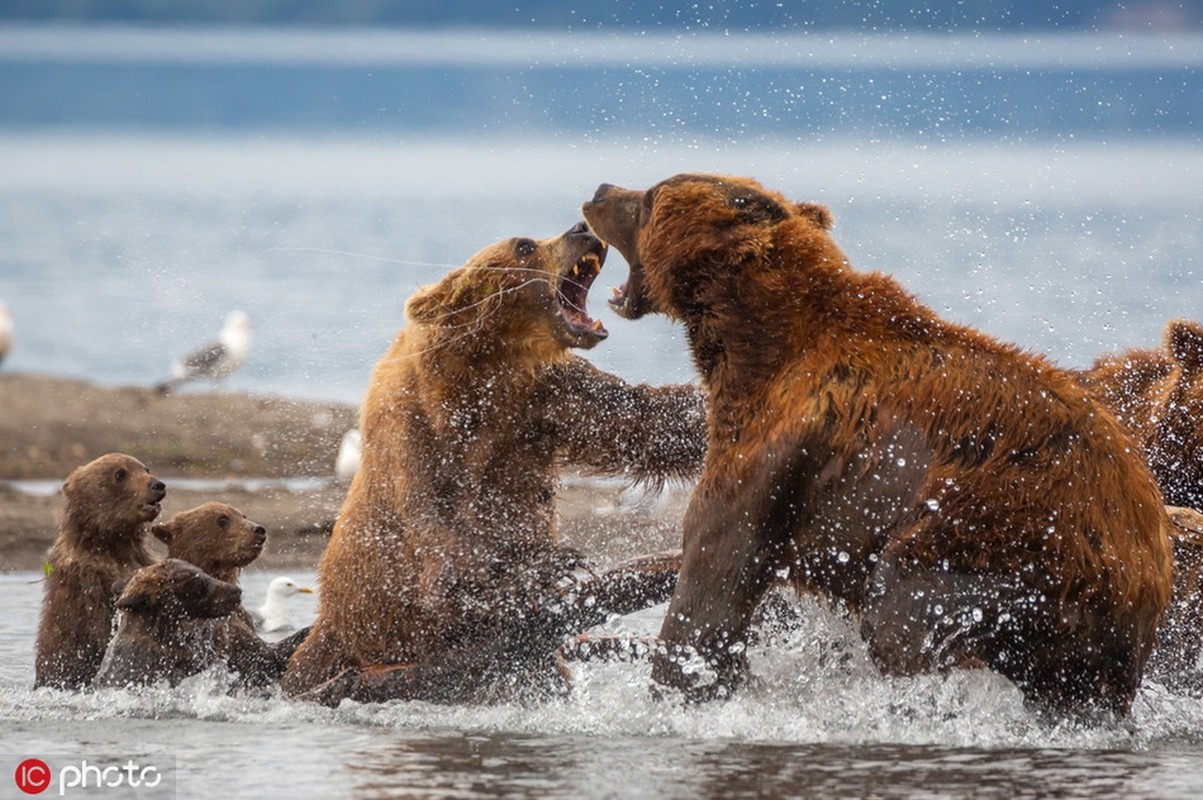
[121,474]
[223,521]
[525,247]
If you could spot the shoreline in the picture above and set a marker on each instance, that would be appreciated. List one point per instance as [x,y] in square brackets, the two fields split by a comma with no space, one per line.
[272,458]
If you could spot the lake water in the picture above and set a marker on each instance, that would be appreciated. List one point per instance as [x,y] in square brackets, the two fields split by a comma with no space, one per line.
[1045,191]
[818,722]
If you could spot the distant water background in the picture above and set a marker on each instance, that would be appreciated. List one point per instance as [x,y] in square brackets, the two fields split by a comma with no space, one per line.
[1044,188]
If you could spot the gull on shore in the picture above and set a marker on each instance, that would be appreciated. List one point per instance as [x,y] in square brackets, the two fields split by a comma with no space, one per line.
[273,614]
[6,331]
[215,361]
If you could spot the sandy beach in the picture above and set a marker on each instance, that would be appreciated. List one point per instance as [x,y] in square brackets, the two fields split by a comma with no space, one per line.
[271,457]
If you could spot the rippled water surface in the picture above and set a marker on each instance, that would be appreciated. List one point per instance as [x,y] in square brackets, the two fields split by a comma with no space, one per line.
[817,720]
[122,251]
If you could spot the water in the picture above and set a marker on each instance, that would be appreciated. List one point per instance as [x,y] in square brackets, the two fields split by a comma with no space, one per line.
[1046,192]
[124,250]
[811,724]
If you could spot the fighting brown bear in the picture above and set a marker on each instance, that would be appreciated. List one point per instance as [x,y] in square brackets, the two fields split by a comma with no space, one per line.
[966,499]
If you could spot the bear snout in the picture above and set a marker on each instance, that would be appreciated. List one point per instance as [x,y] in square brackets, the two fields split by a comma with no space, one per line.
[158,486]
[260,533]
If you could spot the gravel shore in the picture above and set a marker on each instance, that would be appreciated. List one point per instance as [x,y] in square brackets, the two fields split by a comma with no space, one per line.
[271,457]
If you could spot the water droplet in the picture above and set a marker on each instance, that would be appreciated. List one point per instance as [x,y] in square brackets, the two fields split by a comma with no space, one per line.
[933,504]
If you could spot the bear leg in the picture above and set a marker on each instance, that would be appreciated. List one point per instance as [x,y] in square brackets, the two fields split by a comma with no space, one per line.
[1060,654]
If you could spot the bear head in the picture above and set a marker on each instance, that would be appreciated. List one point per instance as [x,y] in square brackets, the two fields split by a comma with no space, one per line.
[527,292]
[216,537]
[1174,443]
[176,589]
[111,496]
[685,233]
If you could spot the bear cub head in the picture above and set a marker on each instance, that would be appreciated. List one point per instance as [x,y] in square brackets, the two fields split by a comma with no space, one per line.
[216,537]
[174,589]
[527,291]
[111,496]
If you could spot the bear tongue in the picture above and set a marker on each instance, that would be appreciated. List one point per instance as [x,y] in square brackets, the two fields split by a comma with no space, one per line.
[578,320]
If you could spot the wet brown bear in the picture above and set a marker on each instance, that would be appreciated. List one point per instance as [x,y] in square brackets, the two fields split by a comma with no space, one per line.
[220,540]
[1175,659]
[156,638]
[101,542]
[444,556]
[968,500]
[1158,395]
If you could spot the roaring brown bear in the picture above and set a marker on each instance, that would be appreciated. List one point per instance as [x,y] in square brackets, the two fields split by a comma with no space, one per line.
[968,500]
[1158,395]
[101,542]
[155,640]
[443,579]
[219,539]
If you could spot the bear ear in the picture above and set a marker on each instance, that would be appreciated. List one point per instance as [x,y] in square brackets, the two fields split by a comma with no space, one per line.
[134,601]
[816,213]
[431,304]
[1185,342]
[162,532]
[458,291]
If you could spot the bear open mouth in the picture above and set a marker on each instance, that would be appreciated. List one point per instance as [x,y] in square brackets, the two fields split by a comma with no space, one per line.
[155,503]
[572,294]
[629,301]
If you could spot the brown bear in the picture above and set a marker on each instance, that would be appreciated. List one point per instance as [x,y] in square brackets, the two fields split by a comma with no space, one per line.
[155,639]
[220,540]
[216,537]
[1158,395]
[444,567]
[966,499]
[101,542]
[1175,659]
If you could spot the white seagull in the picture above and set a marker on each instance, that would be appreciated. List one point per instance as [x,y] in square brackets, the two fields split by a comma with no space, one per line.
[217,360]
[273,614]
[349,450]
[6,331]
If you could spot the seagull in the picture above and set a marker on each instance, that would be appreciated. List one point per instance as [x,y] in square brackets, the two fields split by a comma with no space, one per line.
[216,360]
[6,331]
[273,614]
[347,462]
